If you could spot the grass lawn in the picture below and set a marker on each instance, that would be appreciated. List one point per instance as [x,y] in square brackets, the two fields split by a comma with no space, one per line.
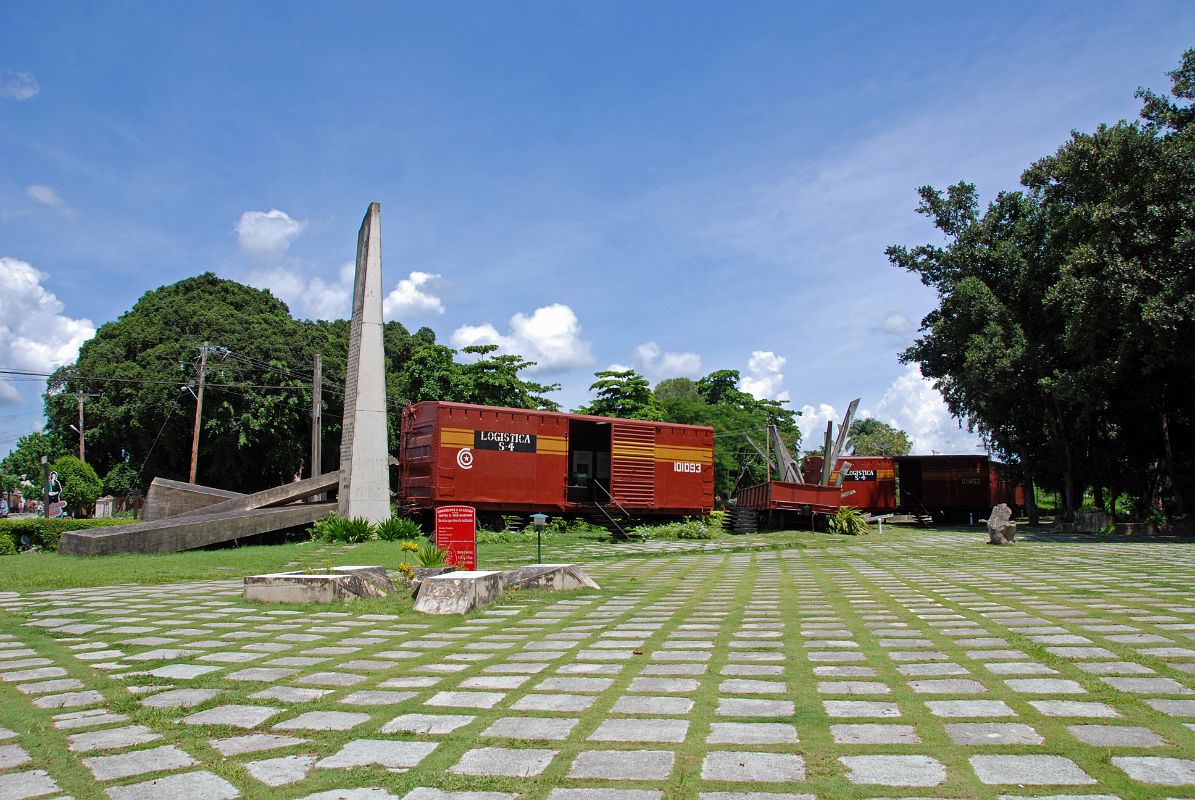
[36,571]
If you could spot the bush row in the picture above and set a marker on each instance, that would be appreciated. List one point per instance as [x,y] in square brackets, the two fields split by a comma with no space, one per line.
[44,533]
[335,528]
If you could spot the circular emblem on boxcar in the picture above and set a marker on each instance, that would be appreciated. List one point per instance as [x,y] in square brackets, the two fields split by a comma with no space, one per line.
[464,458]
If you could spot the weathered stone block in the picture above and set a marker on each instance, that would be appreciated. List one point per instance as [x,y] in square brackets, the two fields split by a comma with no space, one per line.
[458,592]
[340,584]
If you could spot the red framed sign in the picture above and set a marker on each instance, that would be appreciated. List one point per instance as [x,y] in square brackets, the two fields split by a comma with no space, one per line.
[456,534]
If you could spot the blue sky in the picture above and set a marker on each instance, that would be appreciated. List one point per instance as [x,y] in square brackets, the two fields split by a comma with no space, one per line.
[678,187]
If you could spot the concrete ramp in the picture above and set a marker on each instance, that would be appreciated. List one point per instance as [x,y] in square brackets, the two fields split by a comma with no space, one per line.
[167,498]
[190,531]
[277,496]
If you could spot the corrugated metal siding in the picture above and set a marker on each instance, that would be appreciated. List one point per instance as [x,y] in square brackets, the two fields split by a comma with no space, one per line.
[632,465]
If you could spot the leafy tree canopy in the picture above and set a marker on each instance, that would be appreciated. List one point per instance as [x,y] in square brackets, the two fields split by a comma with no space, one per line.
[871,437]
[25,457]
[80,485]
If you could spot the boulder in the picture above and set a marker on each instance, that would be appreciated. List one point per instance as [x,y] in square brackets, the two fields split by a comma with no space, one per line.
[1001,529]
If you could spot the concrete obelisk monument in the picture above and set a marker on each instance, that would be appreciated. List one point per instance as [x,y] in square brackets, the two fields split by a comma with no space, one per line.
[364,468]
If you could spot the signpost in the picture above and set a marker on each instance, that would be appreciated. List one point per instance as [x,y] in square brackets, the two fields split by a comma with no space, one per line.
[456,534]
[538,521]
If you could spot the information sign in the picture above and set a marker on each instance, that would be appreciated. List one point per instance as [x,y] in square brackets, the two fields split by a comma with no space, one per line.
[456,534]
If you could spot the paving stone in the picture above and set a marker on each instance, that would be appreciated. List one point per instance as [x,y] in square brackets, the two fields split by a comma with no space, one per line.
[281,771]
[571,684]
[1116,736]
[1073,708]
[992,733]
[623,765]
[753,796]
[742,686]
[22,785]
[427,723]
[111,739]
[641,730]
[290,694]
[12,755]
[604,794]
[494,682]
[253,743]
[547,728]
[331,679]
[179,698]
[894,770]
[970,708]
[99,716]
[423,793]
[678,685]
[383,752]
[860,708]
[182,671]
[1029,771]
[1020,668]
[191,785]
[137,762]
[263,674]
[553,702]
[947,686]
[1044,686]
[69,700]
[503,762]
[1174,708]
[236,716]
[1147,685]
[376,697]
[755,767]
[1158,771]
[467,699]
[751,733]
[744,707]
[322,721]
[874,733]
[636,704]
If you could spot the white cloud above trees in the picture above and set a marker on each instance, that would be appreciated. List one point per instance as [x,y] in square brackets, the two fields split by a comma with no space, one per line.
[550,336]
[267,235]
[34,333]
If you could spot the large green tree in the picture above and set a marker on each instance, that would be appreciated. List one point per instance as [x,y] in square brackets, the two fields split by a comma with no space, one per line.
[1066,309]
[25,457]
[872,437]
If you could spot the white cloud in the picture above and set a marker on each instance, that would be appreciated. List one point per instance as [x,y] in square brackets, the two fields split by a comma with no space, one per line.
[764,380]
[550,336]
[410,297]
[896,324]
[654,361]
[48,196]
[34,333]
[17,85]
[267,234]
[314,298]
[912,404]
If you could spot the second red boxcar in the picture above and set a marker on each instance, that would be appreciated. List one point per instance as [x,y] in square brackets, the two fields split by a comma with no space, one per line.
[869,483]
[519,460]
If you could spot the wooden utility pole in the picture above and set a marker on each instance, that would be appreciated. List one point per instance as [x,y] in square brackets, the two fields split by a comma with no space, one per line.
[198,411]
[317,420]
[79,397]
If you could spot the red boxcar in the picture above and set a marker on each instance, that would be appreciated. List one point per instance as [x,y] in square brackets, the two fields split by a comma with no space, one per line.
[519,460]
[869,484]
[799,497]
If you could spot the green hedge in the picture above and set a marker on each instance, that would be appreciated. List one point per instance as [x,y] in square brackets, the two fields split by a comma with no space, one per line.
[45,532]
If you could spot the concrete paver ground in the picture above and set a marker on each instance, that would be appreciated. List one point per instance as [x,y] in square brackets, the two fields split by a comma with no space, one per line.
[874,667]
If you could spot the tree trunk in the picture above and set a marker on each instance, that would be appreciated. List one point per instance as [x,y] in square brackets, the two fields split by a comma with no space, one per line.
[1175,490]
[1030,500]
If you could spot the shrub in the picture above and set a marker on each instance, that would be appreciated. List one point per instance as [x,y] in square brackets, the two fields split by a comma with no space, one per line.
[44,533]
[431,556]
[717,518]
[396,528]
[7,546]
[335,528]
[409,546]
[121,480]
[849,521]
[80,485]
[688,529]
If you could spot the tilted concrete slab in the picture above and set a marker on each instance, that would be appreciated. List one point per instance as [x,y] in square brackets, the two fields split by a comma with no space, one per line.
[277,496]
[339,584]
[188,532]
[167,498]
[458,592]
[548,576]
